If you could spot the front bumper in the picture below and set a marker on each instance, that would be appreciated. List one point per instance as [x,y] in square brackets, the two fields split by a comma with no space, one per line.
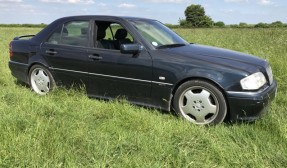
[249,106]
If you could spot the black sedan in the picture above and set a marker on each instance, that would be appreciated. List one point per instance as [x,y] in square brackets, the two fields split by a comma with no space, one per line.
[146,63]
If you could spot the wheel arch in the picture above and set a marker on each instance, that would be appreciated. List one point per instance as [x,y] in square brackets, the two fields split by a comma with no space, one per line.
[177,85]
[37,63]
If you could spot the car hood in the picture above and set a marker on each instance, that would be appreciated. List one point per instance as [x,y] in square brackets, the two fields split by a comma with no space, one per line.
[219,56]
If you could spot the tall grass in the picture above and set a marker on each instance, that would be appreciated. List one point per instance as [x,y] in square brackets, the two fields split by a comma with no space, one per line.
[67,129]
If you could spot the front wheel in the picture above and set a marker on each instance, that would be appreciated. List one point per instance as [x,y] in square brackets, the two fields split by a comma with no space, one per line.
[200,102]
[41,80]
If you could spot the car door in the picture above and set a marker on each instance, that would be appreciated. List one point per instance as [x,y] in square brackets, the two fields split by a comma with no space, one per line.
[115,74]
[66,52]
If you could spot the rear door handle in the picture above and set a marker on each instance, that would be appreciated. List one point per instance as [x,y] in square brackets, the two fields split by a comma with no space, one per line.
[51,52]
[95,57]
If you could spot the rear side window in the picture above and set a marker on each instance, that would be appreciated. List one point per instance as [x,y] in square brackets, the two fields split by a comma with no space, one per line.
[74,33]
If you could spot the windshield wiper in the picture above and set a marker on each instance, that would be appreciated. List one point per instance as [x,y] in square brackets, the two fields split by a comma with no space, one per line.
[170,46]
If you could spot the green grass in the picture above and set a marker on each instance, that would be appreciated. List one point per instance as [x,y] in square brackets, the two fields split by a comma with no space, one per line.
[67,129]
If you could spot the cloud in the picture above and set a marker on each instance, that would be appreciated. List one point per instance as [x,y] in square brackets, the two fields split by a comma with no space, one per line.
[260,2]
[126,5]
[227,11]
[19,5]
[266,2]
[168,1]
[102,4]
[70,1]
[5,1]
[236,1]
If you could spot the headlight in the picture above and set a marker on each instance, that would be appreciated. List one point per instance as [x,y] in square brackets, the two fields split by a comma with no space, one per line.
[253,82]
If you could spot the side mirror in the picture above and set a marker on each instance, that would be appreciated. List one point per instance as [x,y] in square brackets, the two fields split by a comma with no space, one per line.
[131,48]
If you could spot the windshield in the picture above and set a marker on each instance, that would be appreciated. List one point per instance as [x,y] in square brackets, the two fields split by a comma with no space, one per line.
[158,34]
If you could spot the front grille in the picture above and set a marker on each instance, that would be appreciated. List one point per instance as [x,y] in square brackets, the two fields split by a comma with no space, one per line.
[269,73]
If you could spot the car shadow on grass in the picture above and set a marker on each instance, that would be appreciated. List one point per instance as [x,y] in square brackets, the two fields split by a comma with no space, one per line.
[21,83]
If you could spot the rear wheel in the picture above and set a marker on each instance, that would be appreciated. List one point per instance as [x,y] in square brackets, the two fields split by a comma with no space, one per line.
[41,80]
[200,102]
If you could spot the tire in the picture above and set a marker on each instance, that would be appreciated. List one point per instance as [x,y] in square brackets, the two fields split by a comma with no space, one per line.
[41,80]
[200,102]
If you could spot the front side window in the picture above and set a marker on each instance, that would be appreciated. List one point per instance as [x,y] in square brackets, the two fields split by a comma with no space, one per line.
[157,34]
[110,35]
[72,33]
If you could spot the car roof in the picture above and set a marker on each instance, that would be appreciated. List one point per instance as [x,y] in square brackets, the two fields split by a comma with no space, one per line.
[104,16]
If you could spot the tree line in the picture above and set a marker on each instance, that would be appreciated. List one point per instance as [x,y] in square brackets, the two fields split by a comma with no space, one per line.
[195,17]
[42,25]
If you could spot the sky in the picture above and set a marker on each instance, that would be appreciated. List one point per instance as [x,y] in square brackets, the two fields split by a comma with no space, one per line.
[166,11]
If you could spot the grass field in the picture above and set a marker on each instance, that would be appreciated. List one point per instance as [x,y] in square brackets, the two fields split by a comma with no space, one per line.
[67,129]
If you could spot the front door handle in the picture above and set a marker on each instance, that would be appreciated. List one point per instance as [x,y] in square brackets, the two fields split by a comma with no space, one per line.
[51,52]
[95,57]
